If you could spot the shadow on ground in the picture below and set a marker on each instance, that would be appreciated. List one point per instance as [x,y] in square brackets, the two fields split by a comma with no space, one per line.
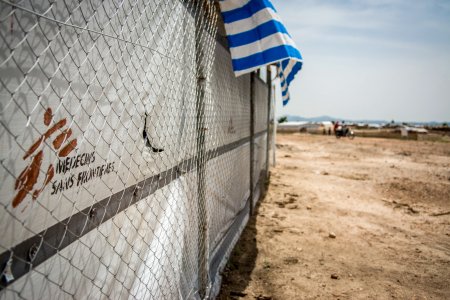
[237,273]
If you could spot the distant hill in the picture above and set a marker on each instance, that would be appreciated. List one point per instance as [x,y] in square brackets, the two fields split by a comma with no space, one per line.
[293,118]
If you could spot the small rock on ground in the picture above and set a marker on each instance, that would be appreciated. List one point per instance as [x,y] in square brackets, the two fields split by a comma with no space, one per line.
[334,276]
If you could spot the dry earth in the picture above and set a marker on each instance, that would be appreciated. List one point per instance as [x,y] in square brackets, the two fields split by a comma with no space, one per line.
[342,219]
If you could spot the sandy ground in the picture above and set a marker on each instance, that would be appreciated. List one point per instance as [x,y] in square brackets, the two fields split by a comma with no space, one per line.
[361,219]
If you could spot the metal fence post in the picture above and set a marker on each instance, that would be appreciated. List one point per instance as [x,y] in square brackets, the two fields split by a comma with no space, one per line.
[200,161]
[269,104]
[274,135]
[252,136]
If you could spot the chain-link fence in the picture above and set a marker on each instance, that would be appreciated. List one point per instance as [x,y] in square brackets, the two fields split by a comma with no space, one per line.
[126,146]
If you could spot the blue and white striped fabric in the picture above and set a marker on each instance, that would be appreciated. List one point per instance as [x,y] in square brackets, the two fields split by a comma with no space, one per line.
[257,37]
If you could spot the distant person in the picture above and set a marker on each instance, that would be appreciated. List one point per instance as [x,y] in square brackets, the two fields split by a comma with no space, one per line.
[336,126]
[329,130]
[344,128]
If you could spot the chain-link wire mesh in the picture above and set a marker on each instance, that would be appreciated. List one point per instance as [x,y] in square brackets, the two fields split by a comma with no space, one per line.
[125,149]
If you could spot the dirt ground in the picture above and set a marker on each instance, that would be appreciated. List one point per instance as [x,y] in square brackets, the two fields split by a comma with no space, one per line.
[348,219]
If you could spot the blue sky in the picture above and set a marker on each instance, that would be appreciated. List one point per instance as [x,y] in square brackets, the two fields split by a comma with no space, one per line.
[370,59]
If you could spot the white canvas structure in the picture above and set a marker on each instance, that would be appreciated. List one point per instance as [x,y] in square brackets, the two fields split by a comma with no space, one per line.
[117,179]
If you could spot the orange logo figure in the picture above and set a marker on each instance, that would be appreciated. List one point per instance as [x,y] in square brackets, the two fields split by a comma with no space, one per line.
[28,178]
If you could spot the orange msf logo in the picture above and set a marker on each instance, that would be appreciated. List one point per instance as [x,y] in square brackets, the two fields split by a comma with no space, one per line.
[25,183]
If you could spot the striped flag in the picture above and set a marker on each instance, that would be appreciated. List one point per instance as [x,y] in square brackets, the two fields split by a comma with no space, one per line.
[257,37]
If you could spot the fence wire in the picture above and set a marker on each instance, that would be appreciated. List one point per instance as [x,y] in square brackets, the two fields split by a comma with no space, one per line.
[125,149]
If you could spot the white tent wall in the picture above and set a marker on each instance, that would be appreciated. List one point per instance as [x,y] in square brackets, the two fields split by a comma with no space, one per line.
[108,146]
[104,118]
[224,189]
[260,139]
[229,110]
[125,257]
